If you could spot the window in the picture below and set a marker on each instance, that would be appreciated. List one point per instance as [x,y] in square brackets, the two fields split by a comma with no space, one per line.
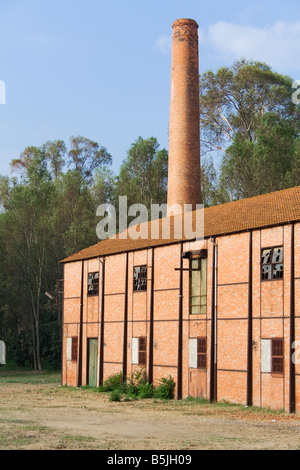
[198,286]
[140,278]
[272,263]
[139,350]
[74,348]
[93,283]
[142,350]
[201,353]
[277,355]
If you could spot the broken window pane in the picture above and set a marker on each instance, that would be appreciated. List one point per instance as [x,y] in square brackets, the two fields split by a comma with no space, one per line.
[266,256]
[272,263]
[278,271]
[277,255]
[266,271]
[140,278]
[93,283]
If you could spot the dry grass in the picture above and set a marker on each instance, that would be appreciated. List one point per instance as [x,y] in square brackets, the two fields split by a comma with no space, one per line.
[37,413]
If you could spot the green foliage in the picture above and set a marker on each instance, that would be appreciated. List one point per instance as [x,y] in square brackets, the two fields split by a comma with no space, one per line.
[143,174]
[165,388]
[48,211]
[46,215]
[137,387]
[115,395]
[114,382]
[134,384]
[251,168]
[145,391]
[249,121]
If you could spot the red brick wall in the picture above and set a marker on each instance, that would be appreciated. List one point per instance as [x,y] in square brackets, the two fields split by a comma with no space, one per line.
[271,316]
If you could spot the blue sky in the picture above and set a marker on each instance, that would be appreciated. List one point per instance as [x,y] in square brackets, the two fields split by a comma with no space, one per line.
[101,69]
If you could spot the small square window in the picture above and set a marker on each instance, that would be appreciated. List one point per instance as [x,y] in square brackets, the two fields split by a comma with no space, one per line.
[93,283]
[140,278]
[272,263]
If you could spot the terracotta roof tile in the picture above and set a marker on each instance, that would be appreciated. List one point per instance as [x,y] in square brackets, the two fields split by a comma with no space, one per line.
[267,210]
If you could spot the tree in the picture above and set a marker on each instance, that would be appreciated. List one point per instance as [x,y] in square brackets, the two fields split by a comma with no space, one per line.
[246,114]
[85,156]
[55,153]
[103,186]
[46,214]
[28,246]
[74,215]
[143,174]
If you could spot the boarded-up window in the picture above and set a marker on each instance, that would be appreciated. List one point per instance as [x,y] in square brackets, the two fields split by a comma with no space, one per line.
[201,353]
[272,263]
[140,278]
[135,351]
[197,353]
[272,355]
[74,349]
[198,286]
[277,355]
[142,350]
[93,283]
[139,350]
[193,353]
[265,355]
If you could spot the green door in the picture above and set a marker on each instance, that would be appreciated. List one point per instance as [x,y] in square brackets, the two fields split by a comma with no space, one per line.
[92,361]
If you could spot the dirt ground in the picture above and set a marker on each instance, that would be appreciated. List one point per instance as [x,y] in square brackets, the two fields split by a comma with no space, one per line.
[49,416]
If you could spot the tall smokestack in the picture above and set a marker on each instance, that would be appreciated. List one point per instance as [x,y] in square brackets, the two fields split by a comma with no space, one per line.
[184,181]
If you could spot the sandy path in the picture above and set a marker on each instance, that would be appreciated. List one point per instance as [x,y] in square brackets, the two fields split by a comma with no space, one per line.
[48,417]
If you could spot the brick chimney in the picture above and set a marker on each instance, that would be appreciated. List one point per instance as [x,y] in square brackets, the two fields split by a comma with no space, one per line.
[184,181]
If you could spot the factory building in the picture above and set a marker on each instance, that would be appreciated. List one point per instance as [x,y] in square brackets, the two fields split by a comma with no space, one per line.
[218,312]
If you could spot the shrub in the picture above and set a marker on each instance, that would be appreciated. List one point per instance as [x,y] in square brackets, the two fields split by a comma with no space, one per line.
[165,388]
[135,383]
[136,386]
[114,382]
[145,391]
[115,395]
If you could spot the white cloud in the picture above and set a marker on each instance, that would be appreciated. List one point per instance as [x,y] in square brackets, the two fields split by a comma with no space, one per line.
[278,45]
[164,44]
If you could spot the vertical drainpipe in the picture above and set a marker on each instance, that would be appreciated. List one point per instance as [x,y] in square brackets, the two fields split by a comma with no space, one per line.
[150,372]
[125,322]
[250,332]
[179,372]
[213,347]
[102,324]
[80,346]
[292,390]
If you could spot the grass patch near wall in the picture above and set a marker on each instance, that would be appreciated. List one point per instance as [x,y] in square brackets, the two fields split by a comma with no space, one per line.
[30,377]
